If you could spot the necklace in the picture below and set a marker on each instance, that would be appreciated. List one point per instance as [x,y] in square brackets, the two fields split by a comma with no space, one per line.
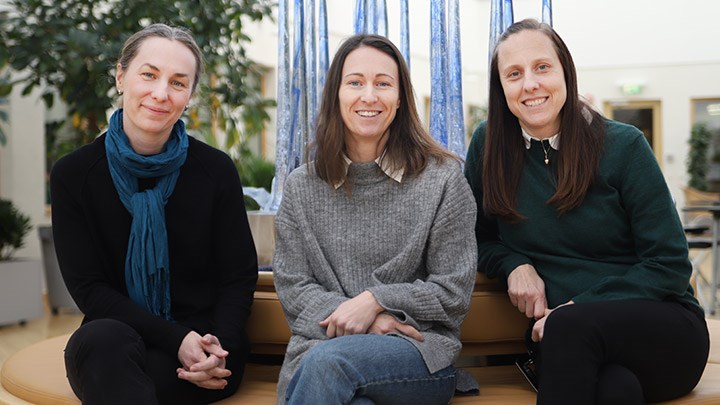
[547,160]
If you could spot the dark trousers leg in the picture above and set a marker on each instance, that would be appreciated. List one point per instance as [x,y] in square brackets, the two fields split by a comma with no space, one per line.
[107,363]
[621,352]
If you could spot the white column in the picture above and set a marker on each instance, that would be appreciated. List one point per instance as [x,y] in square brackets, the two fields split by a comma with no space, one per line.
[22,162]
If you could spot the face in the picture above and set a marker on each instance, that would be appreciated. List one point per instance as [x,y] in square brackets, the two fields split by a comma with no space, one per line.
[533,81]
[369,96]
[156,86]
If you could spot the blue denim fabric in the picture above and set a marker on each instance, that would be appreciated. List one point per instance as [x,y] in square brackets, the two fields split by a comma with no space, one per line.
[368,369]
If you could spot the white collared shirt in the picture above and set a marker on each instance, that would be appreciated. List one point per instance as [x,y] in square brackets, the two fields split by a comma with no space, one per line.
[553,140]
[384,165]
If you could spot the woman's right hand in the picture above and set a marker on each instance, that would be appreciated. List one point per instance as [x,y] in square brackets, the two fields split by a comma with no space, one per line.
[353,316]
[527,291]
[386,323]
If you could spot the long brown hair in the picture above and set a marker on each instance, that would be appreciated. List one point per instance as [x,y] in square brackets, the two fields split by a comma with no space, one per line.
[408,146]
[580,143]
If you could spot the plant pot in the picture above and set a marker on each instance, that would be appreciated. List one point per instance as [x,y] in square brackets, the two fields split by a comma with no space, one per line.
[262,226]
[20,290]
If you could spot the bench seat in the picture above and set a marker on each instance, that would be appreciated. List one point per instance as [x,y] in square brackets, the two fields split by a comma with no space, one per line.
[36,374]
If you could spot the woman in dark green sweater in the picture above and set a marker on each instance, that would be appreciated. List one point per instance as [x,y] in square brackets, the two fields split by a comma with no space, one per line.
[580,224]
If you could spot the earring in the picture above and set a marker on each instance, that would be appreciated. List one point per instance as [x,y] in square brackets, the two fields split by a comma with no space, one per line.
[187,107]
[120,92]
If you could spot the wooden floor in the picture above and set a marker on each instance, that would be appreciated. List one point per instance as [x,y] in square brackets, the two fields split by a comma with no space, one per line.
[15,337]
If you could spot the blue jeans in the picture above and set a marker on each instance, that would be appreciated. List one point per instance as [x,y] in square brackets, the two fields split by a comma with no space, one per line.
[368,369]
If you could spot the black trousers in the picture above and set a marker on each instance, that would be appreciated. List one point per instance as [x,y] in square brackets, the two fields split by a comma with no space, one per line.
[621,352]
[107,362]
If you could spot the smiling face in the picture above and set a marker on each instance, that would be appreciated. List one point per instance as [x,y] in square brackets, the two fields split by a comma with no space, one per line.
[156,86]
[533,81]
[369,96]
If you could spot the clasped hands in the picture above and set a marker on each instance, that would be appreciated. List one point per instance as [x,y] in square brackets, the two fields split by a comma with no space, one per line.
[203,361]
[362,314]
[527,292]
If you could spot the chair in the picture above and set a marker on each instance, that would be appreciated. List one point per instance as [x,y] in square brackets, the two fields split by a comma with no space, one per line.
[697,239]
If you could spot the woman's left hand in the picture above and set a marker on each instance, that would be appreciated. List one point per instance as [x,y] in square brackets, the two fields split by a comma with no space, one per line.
[203,360]
[214,351]
[539,328]
[353,316]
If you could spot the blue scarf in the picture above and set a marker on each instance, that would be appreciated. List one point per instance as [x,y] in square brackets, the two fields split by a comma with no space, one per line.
[147,264]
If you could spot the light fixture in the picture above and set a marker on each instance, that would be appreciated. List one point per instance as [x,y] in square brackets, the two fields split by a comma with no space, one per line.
[713,109]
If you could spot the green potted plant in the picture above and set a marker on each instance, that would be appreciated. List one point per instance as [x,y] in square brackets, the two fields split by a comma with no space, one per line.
[698,165]
[14,226]
[20,279]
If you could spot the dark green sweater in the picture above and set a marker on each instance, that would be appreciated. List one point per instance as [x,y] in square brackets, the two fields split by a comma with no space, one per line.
[624,242]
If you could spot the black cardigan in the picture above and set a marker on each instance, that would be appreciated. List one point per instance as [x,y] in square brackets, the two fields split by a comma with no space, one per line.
[213,264]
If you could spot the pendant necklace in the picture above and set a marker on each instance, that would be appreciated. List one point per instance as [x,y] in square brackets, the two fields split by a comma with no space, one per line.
[547,160]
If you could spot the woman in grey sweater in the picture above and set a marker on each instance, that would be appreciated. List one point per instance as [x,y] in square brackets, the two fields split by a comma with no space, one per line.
[375,249]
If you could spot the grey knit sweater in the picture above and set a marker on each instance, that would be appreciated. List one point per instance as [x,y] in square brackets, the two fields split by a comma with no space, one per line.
[411,244]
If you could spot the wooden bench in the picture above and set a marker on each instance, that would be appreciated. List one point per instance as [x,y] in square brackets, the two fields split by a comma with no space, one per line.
[36,374]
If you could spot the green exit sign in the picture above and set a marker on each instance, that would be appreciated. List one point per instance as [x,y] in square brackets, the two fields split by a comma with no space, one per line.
[632,89]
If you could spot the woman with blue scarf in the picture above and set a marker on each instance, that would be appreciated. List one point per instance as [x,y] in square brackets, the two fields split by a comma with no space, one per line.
[153,242]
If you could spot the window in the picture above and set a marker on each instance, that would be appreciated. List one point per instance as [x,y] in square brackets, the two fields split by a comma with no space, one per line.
[707,111]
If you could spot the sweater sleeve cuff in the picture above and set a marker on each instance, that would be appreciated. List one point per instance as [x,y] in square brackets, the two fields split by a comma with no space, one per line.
[393,298]
[512,263]
[175,338]
[308,322]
